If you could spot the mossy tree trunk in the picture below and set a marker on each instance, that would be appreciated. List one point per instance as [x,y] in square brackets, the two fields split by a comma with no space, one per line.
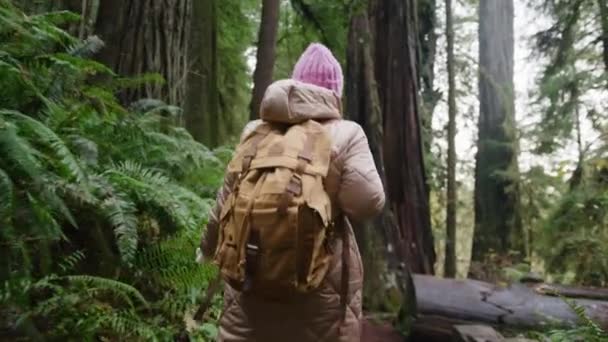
[396,44]
[363,106]
[397,241]
[496,195]
[202,98]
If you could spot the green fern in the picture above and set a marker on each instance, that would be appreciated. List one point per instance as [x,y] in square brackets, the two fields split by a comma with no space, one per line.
[120,212]
[18,153]
[94,284]
[90,186]
[6,200]
[592,329]
[50,139]
[70,261]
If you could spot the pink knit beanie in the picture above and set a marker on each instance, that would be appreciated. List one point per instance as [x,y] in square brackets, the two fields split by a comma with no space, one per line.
[318,66]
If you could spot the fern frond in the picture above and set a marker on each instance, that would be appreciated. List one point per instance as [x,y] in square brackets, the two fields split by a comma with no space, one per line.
[70,261]
[47,193]
[56,18]
[151,186]
[120,212]
[51,139]
[44,218]
[584,318]
[78,65]
[22,158]
[129,325]
[120,289]
[86,148]
[6,201]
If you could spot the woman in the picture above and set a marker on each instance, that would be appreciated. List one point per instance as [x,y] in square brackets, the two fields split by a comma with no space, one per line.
[333,311]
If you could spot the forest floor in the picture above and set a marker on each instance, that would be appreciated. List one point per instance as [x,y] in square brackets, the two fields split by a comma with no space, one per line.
[374,332]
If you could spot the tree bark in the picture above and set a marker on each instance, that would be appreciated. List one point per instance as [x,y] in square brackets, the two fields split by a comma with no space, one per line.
[363,106]
[604,23]
[149,36]
[515,307]
[496,198]
[427,39]
[452,200]
[396,74]
[202,99]
[267,37]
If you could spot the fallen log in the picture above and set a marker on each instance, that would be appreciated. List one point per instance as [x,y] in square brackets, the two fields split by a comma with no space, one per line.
[571,292]
[444,303]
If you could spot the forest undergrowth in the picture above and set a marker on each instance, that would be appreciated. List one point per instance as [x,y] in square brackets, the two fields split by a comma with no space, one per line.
[101,204]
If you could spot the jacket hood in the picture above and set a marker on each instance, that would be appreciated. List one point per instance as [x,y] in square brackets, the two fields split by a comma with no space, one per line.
[291,102]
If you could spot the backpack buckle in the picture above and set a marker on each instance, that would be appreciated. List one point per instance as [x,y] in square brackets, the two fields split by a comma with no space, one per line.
[295,185]
[251,260]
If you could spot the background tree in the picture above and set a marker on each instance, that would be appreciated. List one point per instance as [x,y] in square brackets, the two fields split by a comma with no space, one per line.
[603,9]
[571,131]
[452,192]
[262,77]
[387,244]
[397,75]
[427,38]
[363,106]
[201,105]
[141,38]
[496,198]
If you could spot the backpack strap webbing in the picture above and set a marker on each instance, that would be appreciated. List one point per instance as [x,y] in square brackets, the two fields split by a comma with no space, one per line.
[250,247]
[252,150]
[294,187]
[344,281]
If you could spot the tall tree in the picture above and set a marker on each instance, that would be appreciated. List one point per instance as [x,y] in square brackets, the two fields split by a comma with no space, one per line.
[267,37]
[496,216]
[202,100]
[452,200]
[576,48]
[395,49]
[144,37]
[427,38]
[363,106]
[398,237]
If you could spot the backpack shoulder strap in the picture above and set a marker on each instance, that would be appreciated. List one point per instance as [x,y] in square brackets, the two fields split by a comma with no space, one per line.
[247,149]
[344,279]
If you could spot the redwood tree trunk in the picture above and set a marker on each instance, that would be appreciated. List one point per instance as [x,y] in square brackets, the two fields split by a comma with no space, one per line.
[363,106]
[145,36]
[452,200]
[496,215]
[427,39]
[267,37]
[202,101]
[395,63]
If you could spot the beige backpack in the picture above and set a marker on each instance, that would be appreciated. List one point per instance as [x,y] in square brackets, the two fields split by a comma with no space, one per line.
[276,226]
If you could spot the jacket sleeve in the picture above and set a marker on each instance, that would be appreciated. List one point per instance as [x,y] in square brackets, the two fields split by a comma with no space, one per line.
[361,194]
[211,234]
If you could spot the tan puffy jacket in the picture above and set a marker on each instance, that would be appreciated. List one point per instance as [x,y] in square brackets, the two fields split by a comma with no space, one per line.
[354,186]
